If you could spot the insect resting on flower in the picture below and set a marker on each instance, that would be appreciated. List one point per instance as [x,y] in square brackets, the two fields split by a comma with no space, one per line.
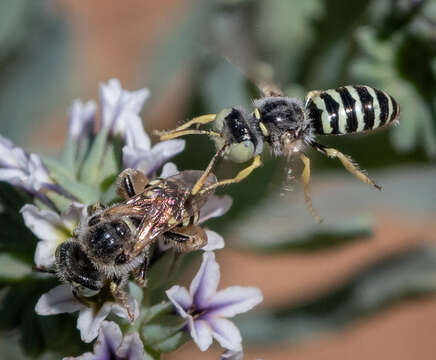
[114,242]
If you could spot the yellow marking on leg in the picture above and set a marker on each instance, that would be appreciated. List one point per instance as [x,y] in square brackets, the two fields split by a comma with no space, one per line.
[257,113]
[200,182]
[263,129]
[351,167]
[239,177]
[173,135]
[305,179]
[203,119]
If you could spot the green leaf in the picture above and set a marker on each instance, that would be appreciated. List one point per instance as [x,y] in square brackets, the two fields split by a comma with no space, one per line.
[161,328]
[378,66]
[91,166]
[173,342]
[65,177]
[409,274]
[111,165]
[157,310]
[12,270]
[162,271]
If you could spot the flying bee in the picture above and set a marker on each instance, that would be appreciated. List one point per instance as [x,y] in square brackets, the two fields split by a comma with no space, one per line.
[113,242]
[289,126]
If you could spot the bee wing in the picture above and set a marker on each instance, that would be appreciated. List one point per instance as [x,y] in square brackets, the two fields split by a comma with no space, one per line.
[186,180]
[123,209]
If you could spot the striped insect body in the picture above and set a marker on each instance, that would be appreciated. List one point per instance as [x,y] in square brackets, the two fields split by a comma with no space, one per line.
[289,126]
[350,109]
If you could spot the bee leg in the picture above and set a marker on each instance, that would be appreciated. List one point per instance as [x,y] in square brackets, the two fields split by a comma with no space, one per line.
[239,177]
[140,274]
[200,182]
[186,238]
[199,120]
[120,297]
[348,163]
[176,134]
[131,182]
[305,179]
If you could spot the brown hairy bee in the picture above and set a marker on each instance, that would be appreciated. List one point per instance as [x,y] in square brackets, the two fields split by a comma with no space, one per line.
[113,242]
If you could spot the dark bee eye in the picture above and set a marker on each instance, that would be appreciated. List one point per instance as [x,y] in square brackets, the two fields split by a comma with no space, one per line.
[94,220]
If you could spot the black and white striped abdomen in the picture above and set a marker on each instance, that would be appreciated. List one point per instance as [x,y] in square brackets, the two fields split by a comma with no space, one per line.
[350,109]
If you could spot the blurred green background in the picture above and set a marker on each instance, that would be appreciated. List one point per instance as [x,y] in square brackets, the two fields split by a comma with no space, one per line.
[324,285]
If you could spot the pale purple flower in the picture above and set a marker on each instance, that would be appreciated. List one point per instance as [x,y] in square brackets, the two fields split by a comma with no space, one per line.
[207,310]
[81,119]
[51,229]
[22,169]
[111,345]
[61,300]
[119,106]
[138,152]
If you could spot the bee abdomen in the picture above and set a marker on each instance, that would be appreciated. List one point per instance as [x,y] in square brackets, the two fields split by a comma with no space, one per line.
[351,109]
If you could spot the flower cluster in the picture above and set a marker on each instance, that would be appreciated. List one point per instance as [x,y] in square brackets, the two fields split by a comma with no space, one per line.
[62,191]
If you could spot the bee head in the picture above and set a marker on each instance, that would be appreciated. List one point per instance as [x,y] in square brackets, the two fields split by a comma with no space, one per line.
[235,127]
[105,241]
[283,123]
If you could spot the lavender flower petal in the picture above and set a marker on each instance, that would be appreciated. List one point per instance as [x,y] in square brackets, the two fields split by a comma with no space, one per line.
[180,298]
[234,300]
[109,339]
[136,137]
[21,169]
[169,169]
[214,241]
[117,104]
[90,322]
[215,207]
[226,333]
[51,228]
[81,119]
[57,301]
[121,312]
[138,153]
[110,345]
[205,282]
[201,333]
[131,348]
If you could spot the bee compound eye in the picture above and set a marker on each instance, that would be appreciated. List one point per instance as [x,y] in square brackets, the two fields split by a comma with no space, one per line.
[241,152]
